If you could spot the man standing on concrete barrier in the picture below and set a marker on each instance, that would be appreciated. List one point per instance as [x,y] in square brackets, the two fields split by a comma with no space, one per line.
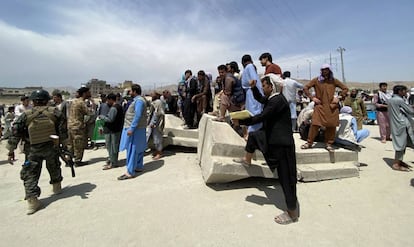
[189,104]
[401,120]
[133,137]
[326,111]
[36,126]
[290,87]
[250,74]
[275,140]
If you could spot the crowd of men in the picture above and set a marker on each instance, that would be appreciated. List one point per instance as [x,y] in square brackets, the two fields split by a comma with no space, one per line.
[125,123]
[278,106]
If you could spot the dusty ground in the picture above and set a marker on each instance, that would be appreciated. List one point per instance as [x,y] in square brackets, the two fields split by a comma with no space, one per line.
[169,205]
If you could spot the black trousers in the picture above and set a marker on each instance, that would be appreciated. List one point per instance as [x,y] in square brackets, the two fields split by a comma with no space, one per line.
[189,111]
[280,158]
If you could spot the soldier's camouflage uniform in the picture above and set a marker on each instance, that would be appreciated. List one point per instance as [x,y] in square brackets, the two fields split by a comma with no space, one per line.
[36,153]
[77,128]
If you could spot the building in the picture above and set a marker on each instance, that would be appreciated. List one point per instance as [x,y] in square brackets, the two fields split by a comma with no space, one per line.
[98,87]
[26,91]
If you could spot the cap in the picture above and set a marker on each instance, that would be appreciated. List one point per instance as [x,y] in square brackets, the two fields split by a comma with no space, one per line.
[346,109]
[326,66]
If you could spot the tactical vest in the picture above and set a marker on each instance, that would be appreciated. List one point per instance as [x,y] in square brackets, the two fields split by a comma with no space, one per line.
[41,123]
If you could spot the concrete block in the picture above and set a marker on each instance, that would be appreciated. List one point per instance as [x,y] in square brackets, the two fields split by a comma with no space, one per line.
[319,172]
[202,126]
[182,141]
[216,169]
[219,144]
[174,127]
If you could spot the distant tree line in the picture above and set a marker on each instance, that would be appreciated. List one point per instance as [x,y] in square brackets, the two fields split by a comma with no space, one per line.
[63,92]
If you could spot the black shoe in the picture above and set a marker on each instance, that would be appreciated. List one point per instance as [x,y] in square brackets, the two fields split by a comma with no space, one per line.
[80,163]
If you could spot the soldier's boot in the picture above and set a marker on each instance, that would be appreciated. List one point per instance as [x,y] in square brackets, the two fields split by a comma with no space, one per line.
[57,188]
[33,204]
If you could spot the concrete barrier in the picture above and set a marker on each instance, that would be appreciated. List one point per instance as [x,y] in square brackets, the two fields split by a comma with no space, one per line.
[218,144]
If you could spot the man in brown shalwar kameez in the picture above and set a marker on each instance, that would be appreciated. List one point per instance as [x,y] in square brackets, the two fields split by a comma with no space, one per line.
[326,111]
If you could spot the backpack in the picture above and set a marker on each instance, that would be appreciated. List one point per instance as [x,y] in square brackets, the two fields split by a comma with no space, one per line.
[238,94]
[40,124]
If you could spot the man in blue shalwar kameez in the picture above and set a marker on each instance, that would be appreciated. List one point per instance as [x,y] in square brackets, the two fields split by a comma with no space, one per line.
[133,137]
[252,105]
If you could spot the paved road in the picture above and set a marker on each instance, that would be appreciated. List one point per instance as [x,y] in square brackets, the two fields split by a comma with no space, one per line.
[169,205]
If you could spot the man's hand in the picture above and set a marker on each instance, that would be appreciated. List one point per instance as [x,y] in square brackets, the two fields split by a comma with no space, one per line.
[11,158]
[316,100]
[252,83]
[193,99]
[130,132]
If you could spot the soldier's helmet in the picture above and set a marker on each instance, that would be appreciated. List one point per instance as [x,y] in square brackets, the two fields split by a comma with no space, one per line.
[40,95]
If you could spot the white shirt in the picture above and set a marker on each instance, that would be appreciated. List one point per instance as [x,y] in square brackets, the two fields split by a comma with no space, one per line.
[20,109]
[289,89]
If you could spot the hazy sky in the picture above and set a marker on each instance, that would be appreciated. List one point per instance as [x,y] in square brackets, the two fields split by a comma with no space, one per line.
[66,43]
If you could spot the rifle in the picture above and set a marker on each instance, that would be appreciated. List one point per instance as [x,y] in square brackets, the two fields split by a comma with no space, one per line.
[67,157]
[64,154]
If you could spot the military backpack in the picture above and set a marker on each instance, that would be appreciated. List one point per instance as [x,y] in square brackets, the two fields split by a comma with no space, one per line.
[40,124]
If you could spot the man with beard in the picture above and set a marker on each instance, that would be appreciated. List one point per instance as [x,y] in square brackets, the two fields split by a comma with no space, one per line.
[133,136]
[77,125]
[401,115]
[359,111]
[326,111]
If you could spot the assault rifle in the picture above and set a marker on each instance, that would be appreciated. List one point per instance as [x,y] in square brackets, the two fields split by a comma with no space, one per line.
[67,157]
[64,154]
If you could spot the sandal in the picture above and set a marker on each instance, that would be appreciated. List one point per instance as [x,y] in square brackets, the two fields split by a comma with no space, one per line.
[157,157]
[285,219]
[402,163]
[306,146]
[242,161]
[108,167]
[219,119]
[330,148]
[139,170]
[124,177]
[398,167]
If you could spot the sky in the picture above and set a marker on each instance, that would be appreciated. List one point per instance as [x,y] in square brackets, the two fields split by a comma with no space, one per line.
[152,42]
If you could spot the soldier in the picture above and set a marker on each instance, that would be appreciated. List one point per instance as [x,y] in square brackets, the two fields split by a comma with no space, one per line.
[35,126]
[77,125]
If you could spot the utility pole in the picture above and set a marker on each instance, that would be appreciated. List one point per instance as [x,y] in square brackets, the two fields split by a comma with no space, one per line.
[330,59]
[310,69]
[297,71]
[341,50]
